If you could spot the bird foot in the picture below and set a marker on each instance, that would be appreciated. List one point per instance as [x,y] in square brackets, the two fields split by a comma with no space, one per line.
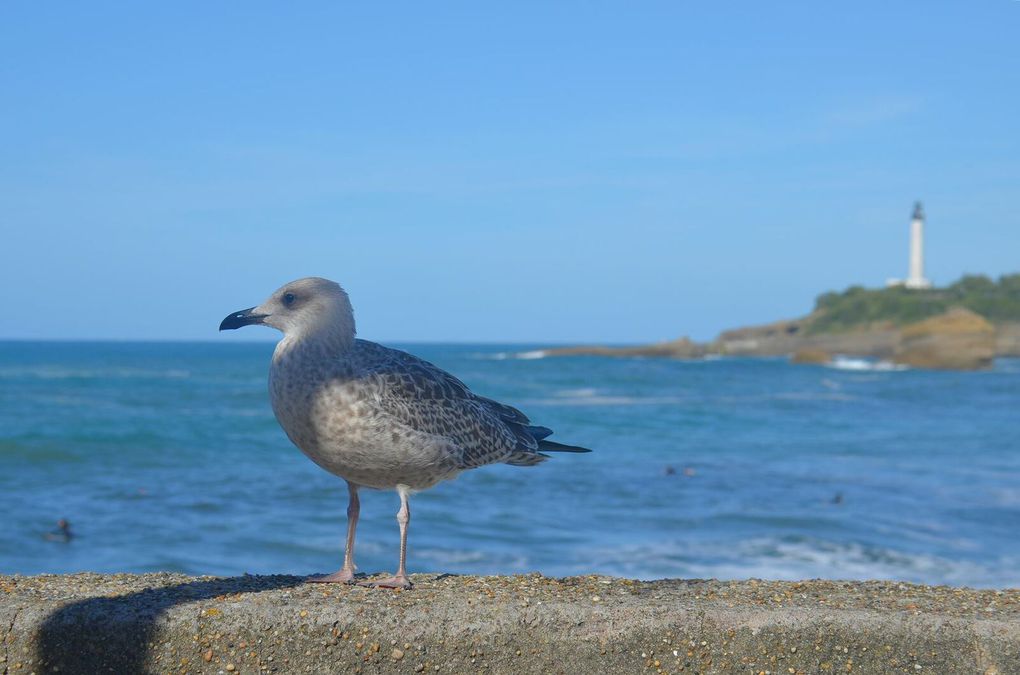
[341,577]
[397,581]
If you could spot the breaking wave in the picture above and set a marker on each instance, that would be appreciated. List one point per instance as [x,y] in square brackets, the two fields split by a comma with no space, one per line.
[848,363]
[793,558]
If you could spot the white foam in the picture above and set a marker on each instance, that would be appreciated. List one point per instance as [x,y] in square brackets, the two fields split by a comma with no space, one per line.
[596,399]
[450,557]
[811,396]
[490,356]
[792,559]
[849,363]
[534,354]
[588,392]
[590,396]
[503,356]
[474,559]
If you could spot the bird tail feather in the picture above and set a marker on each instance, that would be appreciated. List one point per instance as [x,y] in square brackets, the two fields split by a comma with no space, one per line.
[535,435]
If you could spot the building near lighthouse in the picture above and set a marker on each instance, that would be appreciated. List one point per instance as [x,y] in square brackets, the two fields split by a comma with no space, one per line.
[916,278]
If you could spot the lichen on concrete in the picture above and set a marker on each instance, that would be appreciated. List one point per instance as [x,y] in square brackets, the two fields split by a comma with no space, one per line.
[167,623]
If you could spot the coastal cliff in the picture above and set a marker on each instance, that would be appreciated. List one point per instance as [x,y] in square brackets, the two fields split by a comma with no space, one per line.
[169,623]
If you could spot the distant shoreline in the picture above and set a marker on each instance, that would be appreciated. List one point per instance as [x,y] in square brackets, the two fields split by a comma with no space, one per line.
[963,326]
[957,340]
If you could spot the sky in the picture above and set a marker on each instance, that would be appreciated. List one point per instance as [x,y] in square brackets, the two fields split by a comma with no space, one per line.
[482,172]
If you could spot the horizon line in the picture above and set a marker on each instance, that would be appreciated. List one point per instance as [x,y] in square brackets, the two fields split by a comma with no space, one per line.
[256,341]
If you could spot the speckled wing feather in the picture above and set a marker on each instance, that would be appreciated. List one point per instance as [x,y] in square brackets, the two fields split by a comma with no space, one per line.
[430,400]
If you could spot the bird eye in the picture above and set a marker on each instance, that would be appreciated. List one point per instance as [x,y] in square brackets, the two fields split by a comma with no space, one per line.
[288,299]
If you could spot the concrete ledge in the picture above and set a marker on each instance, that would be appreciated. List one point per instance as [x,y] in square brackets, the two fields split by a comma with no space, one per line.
[166,623]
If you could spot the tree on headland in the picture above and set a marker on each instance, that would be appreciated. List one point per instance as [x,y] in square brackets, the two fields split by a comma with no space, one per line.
[996,300]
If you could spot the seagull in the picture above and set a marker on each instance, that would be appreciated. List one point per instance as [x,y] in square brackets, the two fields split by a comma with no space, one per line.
[378,417]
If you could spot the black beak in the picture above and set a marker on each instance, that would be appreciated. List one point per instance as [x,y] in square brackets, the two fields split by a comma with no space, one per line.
[243,318]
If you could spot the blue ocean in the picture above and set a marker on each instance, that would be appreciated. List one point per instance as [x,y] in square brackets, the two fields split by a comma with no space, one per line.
[166,456]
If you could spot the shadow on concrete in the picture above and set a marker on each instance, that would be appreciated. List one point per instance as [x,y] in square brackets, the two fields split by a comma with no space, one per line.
[112,634]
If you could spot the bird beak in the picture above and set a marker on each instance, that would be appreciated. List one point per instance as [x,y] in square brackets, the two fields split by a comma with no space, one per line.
[245,317]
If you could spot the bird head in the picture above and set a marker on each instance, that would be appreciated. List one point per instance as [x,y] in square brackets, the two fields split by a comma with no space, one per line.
[302,308]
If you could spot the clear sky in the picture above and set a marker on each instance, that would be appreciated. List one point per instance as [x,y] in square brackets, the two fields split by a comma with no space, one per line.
[589,171]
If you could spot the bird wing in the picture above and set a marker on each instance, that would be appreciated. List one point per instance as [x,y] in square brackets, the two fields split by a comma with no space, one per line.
[432,401]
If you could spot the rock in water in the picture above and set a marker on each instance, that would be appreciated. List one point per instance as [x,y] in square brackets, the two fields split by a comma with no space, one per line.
[681,348]
[1007,342]
[813,356]
[956,340]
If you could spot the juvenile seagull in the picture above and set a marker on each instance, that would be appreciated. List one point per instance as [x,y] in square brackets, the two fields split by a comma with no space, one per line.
[378,417]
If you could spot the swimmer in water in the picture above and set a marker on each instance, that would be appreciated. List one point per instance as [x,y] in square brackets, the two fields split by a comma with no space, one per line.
[61,533]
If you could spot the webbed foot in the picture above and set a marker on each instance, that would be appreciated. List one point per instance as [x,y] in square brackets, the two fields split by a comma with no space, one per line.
[397,581]
[340,577]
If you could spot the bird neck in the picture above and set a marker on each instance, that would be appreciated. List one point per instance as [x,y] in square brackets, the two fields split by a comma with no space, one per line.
[323,342]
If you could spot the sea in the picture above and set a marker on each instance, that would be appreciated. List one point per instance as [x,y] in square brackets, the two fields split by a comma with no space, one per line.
[166,456]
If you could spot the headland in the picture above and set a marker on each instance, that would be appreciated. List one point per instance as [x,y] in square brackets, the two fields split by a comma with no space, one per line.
[963,326]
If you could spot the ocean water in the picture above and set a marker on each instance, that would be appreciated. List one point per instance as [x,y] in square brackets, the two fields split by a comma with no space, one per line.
[167,457]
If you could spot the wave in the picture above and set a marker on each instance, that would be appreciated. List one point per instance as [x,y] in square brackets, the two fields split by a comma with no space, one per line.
[589,396]
[475,561]
[849,363]
[794,558]
[810,396]
[533,354]
[503,356]
[583,392]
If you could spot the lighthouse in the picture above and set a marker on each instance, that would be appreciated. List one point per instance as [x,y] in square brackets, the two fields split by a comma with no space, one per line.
[916,277]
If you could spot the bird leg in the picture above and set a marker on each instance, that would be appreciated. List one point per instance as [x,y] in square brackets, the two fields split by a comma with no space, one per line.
[398,580]
[346,573]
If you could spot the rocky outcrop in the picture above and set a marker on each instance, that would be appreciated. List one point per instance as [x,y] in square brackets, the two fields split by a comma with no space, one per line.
[773,339]
[170,623]
[791,336]
[682,348]
[956,340]
[811,356]
[1007,339]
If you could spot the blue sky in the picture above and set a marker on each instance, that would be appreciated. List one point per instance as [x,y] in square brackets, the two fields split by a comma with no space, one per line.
[598,172]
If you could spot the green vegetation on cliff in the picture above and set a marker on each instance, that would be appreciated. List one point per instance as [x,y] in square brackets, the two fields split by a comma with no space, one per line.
[857,306]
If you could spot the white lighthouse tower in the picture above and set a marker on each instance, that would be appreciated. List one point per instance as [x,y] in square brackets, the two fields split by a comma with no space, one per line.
[916,277]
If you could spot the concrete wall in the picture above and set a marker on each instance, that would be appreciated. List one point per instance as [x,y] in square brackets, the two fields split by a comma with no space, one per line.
[91,623]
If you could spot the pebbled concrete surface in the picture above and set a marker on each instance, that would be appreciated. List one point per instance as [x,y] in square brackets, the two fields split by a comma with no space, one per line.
[169,623]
